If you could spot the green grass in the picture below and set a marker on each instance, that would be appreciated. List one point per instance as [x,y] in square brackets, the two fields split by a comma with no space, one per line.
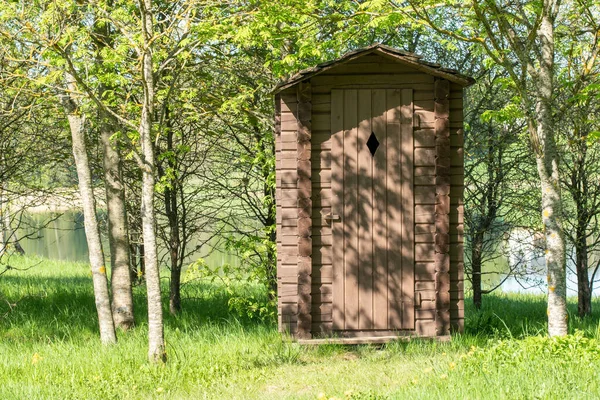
[49,348]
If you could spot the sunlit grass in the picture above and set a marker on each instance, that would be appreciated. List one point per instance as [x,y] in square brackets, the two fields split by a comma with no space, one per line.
[49,348]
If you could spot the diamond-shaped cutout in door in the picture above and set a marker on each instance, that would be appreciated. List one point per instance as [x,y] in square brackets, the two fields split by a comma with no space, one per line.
[372,143]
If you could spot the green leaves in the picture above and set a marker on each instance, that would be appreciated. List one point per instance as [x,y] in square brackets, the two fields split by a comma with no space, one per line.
[509,113]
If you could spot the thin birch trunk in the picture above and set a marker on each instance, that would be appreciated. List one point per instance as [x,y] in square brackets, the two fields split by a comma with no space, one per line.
[92,231]
[542,129]
[156,343]
[118,235]
[118,232]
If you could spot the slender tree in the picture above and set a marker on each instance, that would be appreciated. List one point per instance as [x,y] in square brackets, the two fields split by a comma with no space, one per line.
[118,232]
[497,177]
[92,231]
[579,173]
[520,40]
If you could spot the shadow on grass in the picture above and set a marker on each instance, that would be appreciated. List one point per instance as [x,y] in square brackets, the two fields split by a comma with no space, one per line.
[63,308]
[517,315]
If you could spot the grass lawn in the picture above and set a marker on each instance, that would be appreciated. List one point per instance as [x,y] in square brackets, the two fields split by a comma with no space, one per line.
[49,348]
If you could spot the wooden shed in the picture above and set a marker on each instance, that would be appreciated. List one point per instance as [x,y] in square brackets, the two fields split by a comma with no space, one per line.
[369,165]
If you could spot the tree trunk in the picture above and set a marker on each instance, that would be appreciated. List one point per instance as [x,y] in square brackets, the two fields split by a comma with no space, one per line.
[174,237]
[118,235]
[476,256]
[3,235]
[92,231]
[7,234]
[156,343]
[584,294]
[10,235]
[270,220]
[544,142]
[175,285]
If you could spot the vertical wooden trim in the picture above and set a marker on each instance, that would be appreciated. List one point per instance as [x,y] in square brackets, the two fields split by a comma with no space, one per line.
[380,274]
[365,212]
[277,138]
[350,215]
[442,206]
[304,211]
[408,209]
[337,206]
[394,207]
[277,126]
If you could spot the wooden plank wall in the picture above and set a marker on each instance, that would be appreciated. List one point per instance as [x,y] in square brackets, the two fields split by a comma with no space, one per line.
[442,207]
[286,150]
[303,168]
[457,178]
[374,72]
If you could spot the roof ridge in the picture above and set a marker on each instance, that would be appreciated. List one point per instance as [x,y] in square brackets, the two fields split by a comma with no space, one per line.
[407,57]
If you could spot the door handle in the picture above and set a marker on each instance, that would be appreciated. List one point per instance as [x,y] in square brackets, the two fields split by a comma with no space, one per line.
[332,217]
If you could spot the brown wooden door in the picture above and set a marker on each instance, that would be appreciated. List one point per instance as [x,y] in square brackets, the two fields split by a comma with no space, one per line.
[372,209]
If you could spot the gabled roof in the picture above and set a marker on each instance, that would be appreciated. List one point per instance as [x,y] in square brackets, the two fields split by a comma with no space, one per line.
[402,57]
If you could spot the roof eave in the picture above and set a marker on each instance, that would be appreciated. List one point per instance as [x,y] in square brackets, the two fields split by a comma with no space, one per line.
[399,56]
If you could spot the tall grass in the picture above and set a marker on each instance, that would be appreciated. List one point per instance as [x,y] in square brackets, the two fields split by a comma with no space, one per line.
[49,348]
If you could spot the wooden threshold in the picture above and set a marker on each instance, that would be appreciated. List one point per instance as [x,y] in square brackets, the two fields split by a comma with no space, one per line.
[369,340]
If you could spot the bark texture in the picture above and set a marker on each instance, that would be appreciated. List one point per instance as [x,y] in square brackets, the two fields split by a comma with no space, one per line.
[92,231]
[156,343]
[542,130]
[118,235]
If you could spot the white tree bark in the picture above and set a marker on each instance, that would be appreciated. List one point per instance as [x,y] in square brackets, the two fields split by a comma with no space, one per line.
[118,227]
[156,343]
[118,235]
[92,231]
[547,165]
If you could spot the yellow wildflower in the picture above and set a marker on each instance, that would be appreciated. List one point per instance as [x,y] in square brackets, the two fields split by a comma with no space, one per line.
[159,390]
[428,370]
[36,358]
[443,376]
[452,366]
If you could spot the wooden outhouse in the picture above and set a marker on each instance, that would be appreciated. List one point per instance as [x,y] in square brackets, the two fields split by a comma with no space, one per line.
[369,159]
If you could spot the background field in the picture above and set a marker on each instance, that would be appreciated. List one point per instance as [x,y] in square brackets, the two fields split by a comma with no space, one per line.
[49,348]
